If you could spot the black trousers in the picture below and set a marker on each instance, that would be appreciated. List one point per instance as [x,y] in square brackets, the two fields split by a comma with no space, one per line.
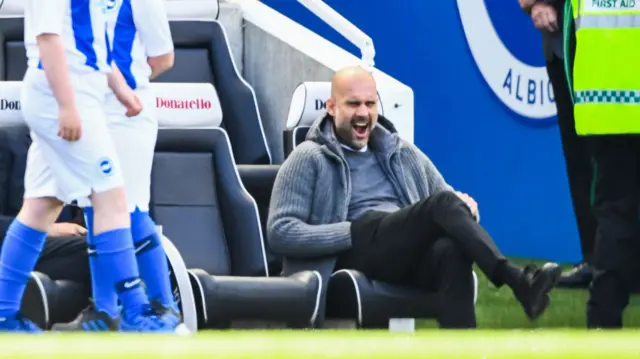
[65,258]
[578,159]
[430,245]
[617,249]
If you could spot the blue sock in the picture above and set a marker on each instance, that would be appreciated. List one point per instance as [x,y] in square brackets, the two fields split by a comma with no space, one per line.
[20,252]
[104,295]
[152,260]
[116,262]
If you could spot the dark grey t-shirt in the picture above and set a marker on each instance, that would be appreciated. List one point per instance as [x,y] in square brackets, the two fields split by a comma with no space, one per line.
[371,189]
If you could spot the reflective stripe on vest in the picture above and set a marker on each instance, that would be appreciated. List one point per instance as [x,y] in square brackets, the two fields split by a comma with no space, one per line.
[606,75]
[608,21]
[607,96]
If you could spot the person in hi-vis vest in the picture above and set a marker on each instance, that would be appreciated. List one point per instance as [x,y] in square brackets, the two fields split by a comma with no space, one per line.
[606,94]
[547,16]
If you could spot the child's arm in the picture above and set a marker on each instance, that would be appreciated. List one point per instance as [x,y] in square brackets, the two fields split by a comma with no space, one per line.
[48,19]
[150,18]
[123,92]
[117,83]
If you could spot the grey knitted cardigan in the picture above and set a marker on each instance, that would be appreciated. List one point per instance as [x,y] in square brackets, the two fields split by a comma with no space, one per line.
[310,198]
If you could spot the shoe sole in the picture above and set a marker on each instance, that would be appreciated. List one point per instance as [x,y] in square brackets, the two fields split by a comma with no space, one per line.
[181,330]
[63,328]
[551,280]
[66,327]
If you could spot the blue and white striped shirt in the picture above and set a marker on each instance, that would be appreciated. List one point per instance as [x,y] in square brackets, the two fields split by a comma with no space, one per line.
[81,24]
[138,29]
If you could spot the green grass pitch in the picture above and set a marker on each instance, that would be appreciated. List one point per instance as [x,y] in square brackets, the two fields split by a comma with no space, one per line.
[559,333]
[331,344]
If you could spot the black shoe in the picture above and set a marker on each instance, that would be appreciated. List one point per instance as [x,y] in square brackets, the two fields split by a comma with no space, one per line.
[90,320]
[171,316]
[534,287]
[579,276]
[162,310]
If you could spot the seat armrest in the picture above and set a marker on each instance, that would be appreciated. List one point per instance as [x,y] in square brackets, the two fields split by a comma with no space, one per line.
[294,300]
[47,302]
[351,295]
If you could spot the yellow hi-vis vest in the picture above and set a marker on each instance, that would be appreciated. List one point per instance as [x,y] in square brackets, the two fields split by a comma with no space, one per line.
[606,79]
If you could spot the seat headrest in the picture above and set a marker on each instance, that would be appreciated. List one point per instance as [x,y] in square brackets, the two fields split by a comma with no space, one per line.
[178,105]
[176,9]
[309,101]
[10,112]
[11,8]
[192,9]
[187,105]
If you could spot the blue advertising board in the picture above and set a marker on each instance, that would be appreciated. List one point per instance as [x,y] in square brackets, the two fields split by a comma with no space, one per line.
[484,108]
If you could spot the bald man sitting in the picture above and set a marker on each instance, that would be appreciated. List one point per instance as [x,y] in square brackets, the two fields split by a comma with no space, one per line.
[356,191]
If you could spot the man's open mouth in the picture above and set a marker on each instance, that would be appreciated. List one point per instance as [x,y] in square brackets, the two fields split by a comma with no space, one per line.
[361,128]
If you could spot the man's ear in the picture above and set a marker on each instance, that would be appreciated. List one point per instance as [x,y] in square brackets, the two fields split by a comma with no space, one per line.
[331,106]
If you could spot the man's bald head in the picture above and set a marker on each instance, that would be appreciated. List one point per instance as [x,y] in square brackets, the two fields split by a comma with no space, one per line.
[353,105]
[347,76]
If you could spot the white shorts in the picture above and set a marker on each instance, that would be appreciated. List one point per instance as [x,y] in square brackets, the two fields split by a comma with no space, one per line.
[135,142]
[59,168]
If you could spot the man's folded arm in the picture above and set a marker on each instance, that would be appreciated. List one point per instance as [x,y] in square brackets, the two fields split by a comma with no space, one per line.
[289,233]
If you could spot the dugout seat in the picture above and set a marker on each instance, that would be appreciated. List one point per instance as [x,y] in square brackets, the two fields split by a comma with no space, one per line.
[202,55]
[352,299]
[198,199]
[48,301]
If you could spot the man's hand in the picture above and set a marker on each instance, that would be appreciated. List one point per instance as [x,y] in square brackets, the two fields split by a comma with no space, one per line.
[471,203]
[544,17]
[67,230]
